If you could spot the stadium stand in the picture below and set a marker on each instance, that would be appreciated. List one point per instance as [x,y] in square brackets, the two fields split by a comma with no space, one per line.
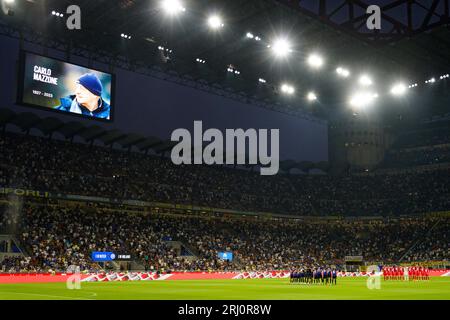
[48,165]
[55,236]
[429,144]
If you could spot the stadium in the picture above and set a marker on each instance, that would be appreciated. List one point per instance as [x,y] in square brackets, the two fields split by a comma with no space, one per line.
[224,150]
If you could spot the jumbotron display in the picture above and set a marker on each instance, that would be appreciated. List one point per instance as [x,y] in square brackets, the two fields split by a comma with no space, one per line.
[64,87]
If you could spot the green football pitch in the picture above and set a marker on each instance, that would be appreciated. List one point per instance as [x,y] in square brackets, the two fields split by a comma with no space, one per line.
[270,289]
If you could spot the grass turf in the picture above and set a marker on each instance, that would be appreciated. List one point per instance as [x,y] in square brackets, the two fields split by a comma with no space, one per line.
[270,289]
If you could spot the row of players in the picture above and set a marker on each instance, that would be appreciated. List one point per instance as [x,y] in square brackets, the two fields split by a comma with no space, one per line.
[314,276]
[329,276]
[406,273]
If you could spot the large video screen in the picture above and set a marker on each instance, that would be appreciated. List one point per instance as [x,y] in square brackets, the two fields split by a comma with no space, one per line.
[64,87]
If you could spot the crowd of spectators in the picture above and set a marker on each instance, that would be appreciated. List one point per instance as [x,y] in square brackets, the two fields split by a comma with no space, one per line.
[375,194]
[434,246]
[401,158]
[423,137]
[420,147]
[61,167]
[34,163]
[56,237]
[13,264]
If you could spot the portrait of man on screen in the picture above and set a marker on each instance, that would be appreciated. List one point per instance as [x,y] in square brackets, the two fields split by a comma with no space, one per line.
[87,99]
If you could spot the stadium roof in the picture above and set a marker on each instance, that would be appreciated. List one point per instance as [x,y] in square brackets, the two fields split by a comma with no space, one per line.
[131,140]
[414,44]
[110,138]
[149,143]
[49,126]
[71,129]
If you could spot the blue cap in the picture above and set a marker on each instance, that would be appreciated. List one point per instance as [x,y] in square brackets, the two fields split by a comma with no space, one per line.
[91,82]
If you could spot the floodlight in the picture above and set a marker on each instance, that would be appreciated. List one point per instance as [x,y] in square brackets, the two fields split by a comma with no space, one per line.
[365,80]
[312,96]
[315,61]
[281,47]
[287,89]
[215,22]
[399,89]
[172,7]
[343,72]
[361,100]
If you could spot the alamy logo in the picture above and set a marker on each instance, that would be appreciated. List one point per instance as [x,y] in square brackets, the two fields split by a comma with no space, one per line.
[249,147]
[74,20]
[374,278]
[374,21]
[74,280]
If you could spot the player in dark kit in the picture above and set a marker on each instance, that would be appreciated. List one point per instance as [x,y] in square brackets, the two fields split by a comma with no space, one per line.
[317,276]
[309,276]
[334,277]
[328,277]
[294,276]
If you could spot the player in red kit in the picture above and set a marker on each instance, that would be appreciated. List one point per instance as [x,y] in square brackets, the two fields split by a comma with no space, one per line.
[385,273]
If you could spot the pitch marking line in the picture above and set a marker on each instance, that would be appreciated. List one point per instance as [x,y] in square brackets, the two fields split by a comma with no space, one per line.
[92,294]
